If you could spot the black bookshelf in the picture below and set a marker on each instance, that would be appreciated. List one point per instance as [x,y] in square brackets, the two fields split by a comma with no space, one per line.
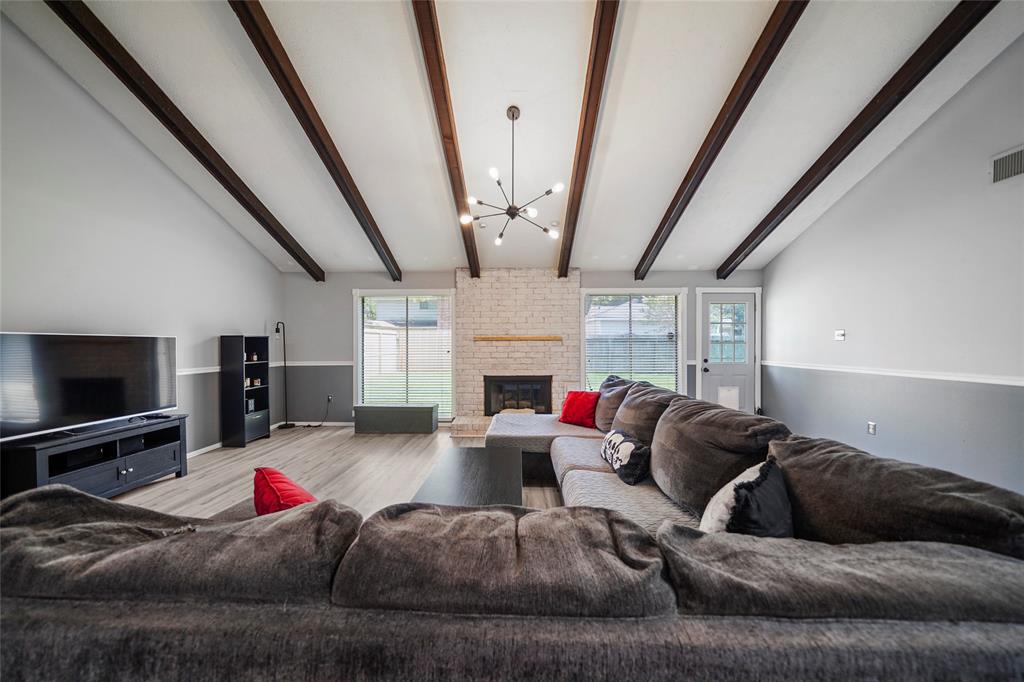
[244,389]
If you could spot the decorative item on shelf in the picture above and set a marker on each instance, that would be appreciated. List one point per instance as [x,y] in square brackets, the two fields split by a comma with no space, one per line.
[250,405]
[511,210]
[254,357]
[256,382]
[280,330]
[248,382]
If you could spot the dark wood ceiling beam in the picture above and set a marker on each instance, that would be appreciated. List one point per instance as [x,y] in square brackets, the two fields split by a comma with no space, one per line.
[761,58]
[957,24]
[593,90]
[104,45]
[437,75]
[261,32]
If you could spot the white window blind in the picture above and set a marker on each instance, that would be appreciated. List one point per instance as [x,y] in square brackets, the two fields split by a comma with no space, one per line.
[406,351]
[632,335]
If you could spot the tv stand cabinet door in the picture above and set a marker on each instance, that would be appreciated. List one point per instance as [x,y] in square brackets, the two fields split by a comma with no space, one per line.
[153,463]
[100,479]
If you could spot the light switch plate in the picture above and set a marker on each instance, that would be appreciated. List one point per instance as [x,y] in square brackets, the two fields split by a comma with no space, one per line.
[840,335]
[872,428]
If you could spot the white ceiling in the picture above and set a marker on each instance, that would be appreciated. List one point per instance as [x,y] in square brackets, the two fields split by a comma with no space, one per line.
[671,66]
[533,55]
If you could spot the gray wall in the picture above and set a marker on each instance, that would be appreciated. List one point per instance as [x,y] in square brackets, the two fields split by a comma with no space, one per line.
[98,236]
[319,319]
[921,264]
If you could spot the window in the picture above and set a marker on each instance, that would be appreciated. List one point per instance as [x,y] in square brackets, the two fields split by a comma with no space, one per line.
[728,332]
[406,350]
[632,335]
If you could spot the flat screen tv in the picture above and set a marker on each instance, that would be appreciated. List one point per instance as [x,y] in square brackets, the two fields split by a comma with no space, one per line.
[60,382]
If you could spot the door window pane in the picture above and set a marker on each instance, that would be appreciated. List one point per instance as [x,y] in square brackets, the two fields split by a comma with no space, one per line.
[727,332]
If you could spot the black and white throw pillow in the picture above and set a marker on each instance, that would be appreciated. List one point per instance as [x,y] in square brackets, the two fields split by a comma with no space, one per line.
[630,458]
[753,503]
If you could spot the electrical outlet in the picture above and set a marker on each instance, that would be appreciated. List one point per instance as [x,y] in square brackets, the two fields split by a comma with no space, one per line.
[330,397]
[839,335]
[872,428]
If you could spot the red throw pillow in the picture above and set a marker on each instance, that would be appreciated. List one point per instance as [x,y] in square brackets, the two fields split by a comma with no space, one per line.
[579,408]
[272,492]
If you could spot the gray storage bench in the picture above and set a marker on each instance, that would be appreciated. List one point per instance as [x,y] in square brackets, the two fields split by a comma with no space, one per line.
[420,418]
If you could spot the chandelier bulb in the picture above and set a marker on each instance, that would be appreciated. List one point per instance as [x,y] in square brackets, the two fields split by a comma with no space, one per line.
[493,172]
[532,212]
[553,234]
[497,240]
[471,201]
[558,187]
[465,219]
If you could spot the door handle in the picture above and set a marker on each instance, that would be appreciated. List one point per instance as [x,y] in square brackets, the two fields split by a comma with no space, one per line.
[130,470]
[705,361]
[706,369]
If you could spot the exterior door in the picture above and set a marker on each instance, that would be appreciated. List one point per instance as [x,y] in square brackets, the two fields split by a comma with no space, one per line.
[726,362]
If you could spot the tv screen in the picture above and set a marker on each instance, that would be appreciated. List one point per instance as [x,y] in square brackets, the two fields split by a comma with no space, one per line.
[55,382]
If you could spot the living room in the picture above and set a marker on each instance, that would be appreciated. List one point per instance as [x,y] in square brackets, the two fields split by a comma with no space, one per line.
[525,340]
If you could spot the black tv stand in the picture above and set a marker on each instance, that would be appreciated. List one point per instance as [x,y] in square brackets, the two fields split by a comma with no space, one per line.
[105,460]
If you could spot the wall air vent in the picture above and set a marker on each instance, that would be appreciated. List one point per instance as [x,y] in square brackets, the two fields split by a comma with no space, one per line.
[1008,164]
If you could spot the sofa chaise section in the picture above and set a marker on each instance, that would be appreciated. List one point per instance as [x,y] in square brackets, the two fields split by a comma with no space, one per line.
[534,434]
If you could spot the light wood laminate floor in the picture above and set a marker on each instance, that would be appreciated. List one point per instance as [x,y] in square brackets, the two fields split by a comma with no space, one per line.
[365,472]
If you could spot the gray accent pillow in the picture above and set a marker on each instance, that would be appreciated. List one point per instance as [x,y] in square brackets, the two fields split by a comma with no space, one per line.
[729,574]
[58,542]
[700,446]
[842,494]
[566,561]
[641,409]
[613,390]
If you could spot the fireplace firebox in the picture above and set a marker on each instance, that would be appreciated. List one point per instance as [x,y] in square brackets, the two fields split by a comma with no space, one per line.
[517,393]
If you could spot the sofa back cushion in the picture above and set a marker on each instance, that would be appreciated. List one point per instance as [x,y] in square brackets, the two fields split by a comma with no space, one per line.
[58,542]
[842,494]
[613,390]
[567,561]
[641,409]
[728,574]
[699,446]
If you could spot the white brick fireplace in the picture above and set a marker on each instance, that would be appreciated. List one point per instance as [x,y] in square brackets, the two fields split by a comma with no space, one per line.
[515,302]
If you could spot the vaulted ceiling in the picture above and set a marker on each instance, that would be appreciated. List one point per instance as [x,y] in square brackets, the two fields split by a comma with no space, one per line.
[671,67]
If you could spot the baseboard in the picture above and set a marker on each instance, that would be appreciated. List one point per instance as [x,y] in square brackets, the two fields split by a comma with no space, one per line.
[201,451]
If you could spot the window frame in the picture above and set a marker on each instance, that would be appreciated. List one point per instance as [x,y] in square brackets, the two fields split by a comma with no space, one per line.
[357,337]
[681,294]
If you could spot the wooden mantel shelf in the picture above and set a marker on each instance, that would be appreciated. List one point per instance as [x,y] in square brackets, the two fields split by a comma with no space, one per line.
[517,338]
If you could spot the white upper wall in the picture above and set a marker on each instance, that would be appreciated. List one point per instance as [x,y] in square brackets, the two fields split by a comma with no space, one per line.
[923,262]
[98,236]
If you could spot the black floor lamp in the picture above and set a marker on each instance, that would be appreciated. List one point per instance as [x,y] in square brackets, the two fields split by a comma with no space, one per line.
[279,328]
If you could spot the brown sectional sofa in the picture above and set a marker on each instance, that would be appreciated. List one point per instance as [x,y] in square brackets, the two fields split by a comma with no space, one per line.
[921,577]
[679,428]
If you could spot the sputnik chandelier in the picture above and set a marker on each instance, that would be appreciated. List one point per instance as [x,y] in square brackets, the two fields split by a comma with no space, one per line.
[511,210]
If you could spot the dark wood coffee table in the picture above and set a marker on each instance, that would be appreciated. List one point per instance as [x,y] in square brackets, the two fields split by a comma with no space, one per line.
[475,477]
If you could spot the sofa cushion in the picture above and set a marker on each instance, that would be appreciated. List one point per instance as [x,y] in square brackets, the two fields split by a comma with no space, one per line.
[613,390]
[700,446]
[641,409]
[643,503]
[630,458]
[569,454]
[729,574]
[58,542]
[753,503]
[532,432]
[504,560]
[842,494]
